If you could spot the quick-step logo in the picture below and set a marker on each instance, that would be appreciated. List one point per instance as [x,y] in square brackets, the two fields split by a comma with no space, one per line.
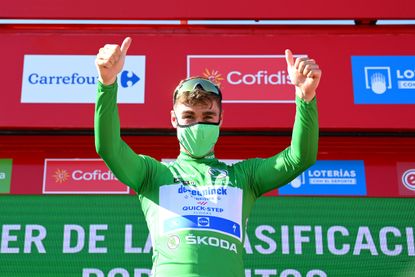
[73,79]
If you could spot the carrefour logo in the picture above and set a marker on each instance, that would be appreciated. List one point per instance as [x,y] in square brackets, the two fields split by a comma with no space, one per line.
[73,79]
[128,79]
[384,79]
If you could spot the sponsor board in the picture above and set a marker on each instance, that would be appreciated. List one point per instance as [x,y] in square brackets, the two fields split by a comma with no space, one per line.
[80,176]
[334,177]
[383,79]
[5,175]
[73,79]
[246,78]
[406,179]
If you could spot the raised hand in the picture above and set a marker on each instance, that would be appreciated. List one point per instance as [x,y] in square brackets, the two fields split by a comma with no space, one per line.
[110,61]
[305,74]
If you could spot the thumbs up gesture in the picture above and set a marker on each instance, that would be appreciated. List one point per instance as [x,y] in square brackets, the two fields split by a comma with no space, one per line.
[304,74]
[110,61]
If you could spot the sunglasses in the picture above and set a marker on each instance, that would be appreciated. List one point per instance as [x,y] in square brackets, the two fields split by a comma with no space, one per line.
[193,83]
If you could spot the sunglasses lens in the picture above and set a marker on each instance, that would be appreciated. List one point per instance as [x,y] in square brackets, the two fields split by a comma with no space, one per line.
[206,85]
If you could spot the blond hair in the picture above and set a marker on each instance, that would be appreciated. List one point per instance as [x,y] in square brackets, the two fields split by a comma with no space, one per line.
[197,97]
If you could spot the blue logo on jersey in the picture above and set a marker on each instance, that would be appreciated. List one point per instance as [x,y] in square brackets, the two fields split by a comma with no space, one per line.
[203,221]
[329,178]
[383,79]
[127,80]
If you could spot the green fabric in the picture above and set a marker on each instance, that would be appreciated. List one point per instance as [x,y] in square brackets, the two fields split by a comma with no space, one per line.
[197,209]
[198,139]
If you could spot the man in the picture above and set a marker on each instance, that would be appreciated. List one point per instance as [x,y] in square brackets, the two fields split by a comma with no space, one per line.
[197,207]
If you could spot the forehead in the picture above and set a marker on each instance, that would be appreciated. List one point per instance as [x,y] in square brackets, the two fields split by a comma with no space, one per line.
[212,108]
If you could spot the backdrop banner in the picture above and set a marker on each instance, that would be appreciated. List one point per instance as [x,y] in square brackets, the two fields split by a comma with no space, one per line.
[106,235]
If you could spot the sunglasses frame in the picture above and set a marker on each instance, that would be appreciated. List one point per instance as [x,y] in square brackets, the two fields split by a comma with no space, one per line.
[191,84]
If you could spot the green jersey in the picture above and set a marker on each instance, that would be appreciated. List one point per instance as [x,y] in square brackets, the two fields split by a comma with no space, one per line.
[197,209]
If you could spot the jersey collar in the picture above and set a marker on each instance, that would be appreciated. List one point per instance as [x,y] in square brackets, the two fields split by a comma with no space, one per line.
[186,157]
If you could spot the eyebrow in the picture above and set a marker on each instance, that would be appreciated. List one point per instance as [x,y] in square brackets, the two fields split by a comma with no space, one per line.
[204,113]
[210,113]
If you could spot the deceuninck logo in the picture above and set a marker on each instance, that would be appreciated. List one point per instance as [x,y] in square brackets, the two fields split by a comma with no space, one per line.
[80,176]
[246,78]
[329,178]
[73,79]
[383,79]
[5,175]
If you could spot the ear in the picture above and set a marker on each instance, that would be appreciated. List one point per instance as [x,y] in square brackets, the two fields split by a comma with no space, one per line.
[173,119]
[221,118]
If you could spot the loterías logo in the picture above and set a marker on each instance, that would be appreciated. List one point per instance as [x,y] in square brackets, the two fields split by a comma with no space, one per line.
[80,176]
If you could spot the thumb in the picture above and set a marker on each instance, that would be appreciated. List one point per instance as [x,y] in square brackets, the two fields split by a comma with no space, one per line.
[125,45]
[289,57]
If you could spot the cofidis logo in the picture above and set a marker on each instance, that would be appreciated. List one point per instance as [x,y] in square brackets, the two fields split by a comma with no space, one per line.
[246,78]
[346,178]
[80,176]
[73,79]
[383,79]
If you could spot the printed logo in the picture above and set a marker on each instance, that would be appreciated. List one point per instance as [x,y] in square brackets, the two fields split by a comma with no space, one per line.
[203,221]
[329,178]
[211,208]
[61,176]
[45,80]
[173,242]
[246,78]
[218,173]
[383,79]
[5,175]
[80,176]
[211,193]
[214,76]
[378,79]
[127,80]
[406,179]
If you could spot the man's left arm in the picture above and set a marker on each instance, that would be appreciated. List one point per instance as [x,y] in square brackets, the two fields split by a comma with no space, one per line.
[280,169]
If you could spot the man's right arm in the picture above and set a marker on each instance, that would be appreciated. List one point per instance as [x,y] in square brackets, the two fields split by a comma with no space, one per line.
[126,165]
[131,169]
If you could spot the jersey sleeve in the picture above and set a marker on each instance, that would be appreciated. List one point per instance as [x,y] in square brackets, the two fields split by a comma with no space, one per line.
[278,170]
[131,169]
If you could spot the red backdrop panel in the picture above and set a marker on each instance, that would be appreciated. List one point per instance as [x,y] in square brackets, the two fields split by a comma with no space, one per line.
[213,9]
[166,54]
[385,158]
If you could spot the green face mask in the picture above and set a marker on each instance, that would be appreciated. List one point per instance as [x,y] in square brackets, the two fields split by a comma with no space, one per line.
[198,138]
